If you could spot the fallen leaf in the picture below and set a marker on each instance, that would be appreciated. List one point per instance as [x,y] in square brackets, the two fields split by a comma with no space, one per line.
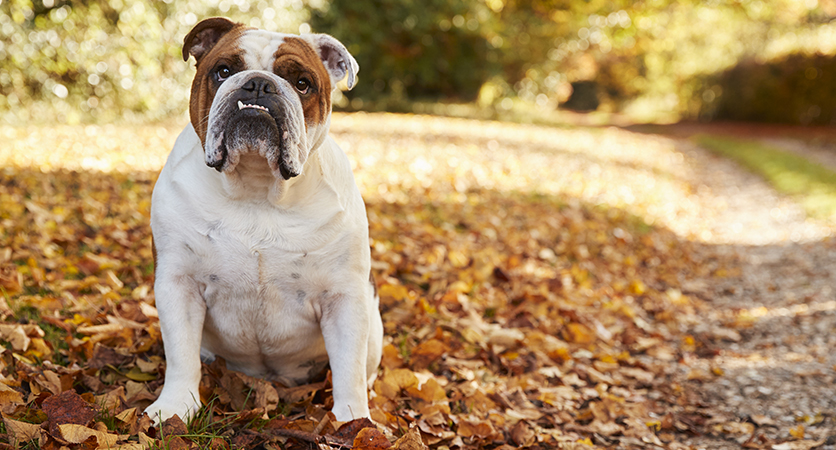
[799,445]
[67,408]
[9,399]
[426,353]
[174,426]
[22,432]
[475,428]
[349,430]
[522,434]
[76,434]
[763,421]
[371,439]
[411,440]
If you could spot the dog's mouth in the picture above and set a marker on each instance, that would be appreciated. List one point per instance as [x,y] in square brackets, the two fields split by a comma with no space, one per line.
[256,128]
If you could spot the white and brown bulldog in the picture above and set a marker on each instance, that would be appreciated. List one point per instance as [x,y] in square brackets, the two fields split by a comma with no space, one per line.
[260,233]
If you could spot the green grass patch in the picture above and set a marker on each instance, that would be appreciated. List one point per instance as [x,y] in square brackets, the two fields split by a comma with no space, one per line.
[813,185]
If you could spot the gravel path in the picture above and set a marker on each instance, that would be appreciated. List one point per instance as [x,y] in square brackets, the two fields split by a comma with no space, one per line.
[773,380]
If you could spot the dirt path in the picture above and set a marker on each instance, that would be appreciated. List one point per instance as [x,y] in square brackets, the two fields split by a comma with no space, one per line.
[773,379]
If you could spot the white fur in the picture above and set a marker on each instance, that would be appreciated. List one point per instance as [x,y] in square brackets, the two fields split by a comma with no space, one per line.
[270,274]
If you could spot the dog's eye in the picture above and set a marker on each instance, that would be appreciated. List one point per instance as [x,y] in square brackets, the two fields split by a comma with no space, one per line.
[302,85]
[223,72]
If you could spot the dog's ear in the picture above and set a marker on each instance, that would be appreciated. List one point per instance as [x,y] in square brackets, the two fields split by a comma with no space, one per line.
[205,35]
[337,60]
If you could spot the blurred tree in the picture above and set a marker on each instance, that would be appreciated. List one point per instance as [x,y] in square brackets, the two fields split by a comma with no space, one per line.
[802,86]
[105,60]
[413,49]
[70,60]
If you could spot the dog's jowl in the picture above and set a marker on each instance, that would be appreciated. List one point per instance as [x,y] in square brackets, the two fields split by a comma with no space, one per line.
[260,232]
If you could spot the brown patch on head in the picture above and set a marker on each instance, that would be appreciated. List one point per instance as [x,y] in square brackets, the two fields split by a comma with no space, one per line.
[296,59]
[223,51]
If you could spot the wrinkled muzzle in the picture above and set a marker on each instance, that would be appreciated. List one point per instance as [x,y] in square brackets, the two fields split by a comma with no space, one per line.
[256,112]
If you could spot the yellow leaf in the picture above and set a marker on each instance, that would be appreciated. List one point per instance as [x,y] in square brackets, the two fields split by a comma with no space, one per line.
[637,287]
[137,374]
[579,334]
[402,378]
[21,432]
[797,432]
[458,259]
[9,396]
[77,320]
[76,434]
[430,392]
[395,292]
[127,415]
[459,286]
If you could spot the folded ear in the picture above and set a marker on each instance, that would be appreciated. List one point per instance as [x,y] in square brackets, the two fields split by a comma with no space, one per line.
[337,60]
[205,35]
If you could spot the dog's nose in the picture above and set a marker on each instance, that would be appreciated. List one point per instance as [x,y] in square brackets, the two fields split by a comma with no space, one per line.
[259,86]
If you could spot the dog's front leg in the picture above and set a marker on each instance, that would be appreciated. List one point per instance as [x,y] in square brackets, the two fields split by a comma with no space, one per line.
[182,311]
[345,327]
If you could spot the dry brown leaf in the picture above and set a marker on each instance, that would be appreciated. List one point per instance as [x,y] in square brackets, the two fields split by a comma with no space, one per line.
[174,426]
[394,380]
[411,440]
[391,358]
[349,430]
[10,281]
[127,416]
[76,434]
[67,408]
[475,428]
[426,353]
[112,400]
[9,398]
[22,432]
[523,435]
[107,356]
[371,439]
[18,335]
[266,396]
[430,391]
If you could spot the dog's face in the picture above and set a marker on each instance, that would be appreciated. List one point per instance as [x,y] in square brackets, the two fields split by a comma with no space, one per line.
[262,92]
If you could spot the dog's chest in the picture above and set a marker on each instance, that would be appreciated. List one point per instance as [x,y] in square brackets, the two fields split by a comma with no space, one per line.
[263,302]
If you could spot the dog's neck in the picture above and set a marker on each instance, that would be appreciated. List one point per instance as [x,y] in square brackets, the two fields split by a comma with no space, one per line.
[252,180]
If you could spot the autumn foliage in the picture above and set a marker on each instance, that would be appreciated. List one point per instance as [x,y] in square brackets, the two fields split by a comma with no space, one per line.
[517,313]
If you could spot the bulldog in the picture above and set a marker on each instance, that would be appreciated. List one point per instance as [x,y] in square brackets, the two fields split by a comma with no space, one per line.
[260,234]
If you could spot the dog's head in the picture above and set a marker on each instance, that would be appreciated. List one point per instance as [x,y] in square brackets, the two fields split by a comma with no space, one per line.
[263,92]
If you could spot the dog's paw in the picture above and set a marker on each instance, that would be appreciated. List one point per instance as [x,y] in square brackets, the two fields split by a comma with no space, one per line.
[346,412]
[167,406]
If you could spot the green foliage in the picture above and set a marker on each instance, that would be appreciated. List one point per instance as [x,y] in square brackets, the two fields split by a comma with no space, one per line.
[790,174]
[413,49]
[106,60]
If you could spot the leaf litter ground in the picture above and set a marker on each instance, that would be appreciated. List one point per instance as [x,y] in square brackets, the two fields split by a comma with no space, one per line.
[540,287]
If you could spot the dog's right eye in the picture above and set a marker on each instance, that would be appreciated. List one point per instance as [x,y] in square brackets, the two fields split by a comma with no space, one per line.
[222,73]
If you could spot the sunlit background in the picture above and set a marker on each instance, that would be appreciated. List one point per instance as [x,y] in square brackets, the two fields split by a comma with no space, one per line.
[657,60]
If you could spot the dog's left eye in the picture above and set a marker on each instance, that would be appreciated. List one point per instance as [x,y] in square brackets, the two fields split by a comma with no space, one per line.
[302,85]
[223,72]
